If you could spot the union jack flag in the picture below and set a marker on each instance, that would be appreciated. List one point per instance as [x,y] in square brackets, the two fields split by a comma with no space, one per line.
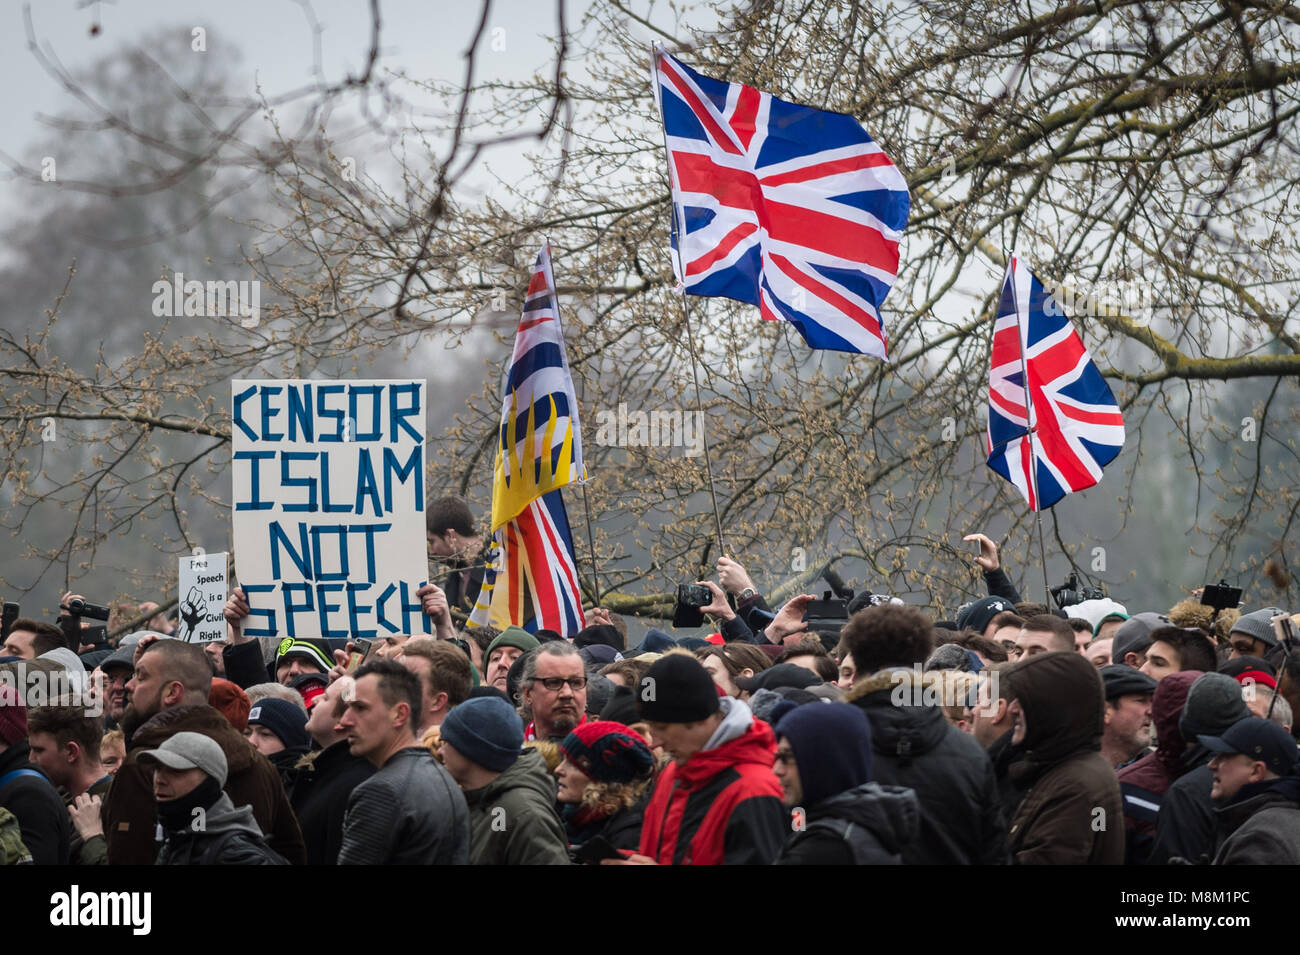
[1075,422]
[793,209]
[531,579]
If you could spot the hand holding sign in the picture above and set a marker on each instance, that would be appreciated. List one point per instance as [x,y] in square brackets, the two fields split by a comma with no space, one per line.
[328,507]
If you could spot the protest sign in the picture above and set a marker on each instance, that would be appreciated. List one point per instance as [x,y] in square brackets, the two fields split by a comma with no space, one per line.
[203,593]
[329,506]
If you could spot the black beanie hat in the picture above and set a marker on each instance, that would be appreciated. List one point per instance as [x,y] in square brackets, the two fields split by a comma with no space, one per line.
[599,633]
[677,689]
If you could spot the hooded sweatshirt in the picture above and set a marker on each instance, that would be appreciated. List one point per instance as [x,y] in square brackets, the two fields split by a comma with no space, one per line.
[128,811]
[229,836]
[1071,811]
[1185,826]
[1143,783]
[723,805]
[849,819]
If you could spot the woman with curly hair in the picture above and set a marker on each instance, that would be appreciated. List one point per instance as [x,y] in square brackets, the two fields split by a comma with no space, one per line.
[604,780]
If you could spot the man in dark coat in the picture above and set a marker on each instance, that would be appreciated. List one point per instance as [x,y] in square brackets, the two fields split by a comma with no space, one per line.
[1143,784]
[169,694]
[1257,794]
[1185,826]
[201,826]
[324,779]
[916,747]
[823,760]
[410,812]
[1071,812]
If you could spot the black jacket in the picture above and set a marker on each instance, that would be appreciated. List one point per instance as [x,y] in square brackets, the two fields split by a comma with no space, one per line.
[410,812]
[1185,826]
[1004,754]
[1000,585]
[464,579]
[1261,826]
[229,836]
[961,818]
[245,665]
[285,763]
[322,784]
[42,817]
[622,830]
[867,825]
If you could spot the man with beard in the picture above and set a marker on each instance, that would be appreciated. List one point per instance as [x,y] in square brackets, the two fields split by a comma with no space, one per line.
[168,695]
[117,671]
[554,688]
[1127,735]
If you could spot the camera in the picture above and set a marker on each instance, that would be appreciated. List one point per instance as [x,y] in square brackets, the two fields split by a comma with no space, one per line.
[830,613]
[1070,593]
[81,608]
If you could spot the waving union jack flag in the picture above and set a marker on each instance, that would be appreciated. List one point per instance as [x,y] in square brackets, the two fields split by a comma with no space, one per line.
[1076,424]
[793,209]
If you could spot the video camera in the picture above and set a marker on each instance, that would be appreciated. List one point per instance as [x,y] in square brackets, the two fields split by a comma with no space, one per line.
[74,634]
[828,615]
[1070,593]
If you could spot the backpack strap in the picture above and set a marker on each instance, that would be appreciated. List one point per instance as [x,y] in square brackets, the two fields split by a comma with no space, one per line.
[843,829]
[18,773]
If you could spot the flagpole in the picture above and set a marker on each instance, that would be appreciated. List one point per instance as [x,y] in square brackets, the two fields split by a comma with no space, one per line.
[686,313]
[1033,457]
[582,478]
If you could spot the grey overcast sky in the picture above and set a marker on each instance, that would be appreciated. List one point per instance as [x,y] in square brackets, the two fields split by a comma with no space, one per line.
[425,39]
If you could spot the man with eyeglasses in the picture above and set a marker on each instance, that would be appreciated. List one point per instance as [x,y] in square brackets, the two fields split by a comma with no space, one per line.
[554,689]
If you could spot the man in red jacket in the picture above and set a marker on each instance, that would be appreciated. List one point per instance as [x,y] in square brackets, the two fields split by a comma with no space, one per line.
[718,801]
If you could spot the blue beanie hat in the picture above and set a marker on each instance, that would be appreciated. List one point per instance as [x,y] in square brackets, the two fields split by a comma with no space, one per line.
[485,730]
[832,748]
[286,720]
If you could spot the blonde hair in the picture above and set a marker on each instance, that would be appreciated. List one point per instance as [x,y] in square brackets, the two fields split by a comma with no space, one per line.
[605,799]
[261,691]
[551,752]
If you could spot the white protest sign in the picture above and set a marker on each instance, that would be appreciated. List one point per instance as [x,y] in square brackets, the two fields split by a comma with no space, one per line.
[203,594]
[329,506]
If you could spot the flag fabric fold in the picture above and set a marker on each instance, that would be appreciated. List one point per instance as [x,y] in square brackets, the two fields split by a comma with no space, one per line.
[793,209]
[1075,421]
[531,579]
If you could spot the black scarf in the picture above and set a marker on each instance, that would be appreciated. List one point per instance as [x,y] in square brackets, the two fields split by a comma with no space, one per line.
[177,815]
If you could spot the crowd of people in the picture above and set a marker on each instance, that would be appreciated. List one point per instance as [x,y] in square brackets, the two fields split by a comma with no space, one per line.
[1094,734]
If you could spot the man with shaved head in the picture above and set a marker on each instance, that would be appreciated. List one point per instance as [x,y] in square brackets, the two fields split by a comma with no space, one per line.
[168,695]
